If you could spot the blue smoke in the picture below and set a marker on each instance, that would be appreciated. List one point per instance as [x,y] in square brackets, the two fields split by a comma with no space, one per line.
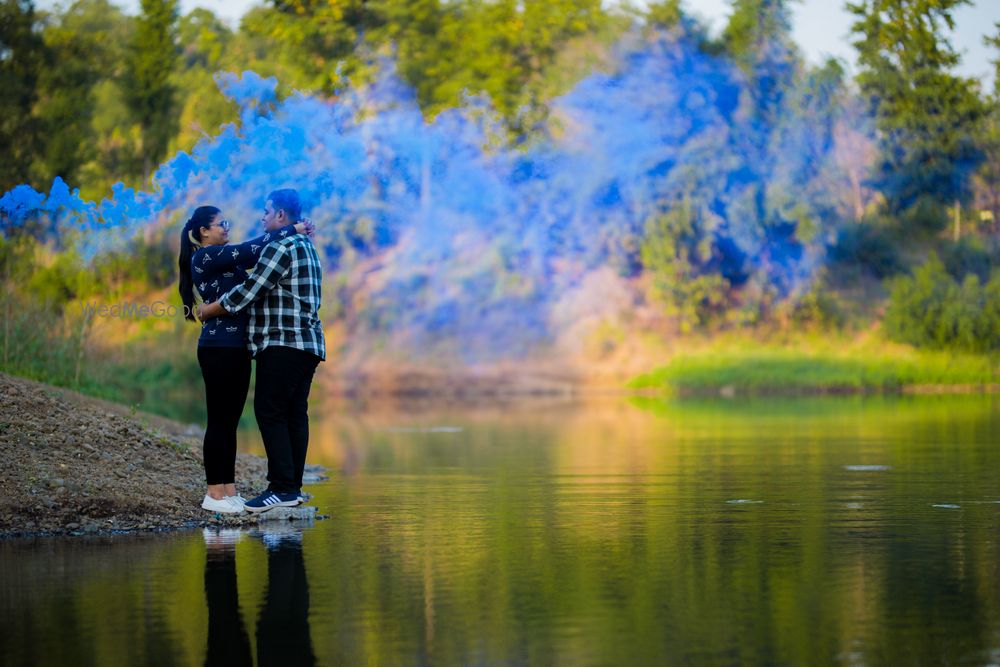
[447,238]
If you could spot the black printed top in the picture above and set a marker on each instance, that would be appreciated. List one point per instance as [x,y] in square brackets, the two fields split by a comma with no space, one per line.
[215,270]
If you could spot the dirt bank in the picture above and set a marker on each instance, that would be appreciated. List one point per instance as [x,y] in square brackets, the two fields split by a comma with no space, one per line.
[77,465]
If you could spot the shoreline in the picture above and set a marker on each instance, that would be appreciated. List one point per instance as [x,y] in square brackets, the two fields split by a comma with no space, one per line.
[80,466]
[728,391]
[514,385]
[862,368]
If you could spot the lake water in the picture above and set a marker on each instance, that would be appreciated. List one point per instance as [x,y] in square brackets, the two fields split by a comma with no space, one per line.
[842,531]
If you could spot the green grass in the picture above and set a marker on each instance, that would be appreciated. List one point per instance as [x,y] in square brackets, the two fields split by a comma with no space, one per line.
[775,370]
[153,370]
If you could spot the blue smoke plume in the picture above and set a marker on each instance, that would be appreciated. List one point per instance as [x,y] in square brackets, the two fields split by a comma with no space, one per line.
[442,236]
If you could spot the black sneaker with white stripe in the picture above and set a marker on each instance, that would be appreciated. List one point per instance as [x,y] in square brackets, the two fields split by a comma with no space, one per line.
[269,500]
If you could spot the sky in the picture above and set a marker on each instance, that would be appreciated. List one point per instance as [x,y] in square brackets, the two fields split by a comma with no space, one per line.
[821,27]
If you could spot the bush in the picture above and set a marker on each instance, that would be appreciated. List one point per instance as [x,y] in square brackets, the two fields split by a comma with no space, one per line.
[677,253]
[818,307]
[869,248]
[925,219]
[969,255]
[931,309]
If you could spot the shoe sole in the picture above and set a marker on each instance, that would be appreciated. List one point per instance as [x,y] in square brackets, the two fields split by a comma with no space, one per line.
[261,510]
[217,511]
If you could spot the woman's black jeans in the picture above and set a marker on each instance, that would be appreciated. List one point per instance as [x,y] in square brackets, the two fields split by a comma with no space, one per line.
[227,380]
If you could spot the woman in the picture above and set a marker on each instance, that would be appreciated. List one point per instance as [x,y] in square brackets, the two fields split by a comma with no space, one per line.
[208,262]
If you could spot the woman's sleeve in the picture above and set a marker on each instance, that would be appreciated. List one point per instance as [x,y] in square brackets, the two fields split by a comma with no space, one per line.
[247,253]
[217,258]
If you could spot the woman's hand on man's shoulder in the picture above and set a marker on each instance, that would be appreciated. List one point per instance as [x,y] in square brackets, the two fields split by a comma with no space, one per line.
[306,226]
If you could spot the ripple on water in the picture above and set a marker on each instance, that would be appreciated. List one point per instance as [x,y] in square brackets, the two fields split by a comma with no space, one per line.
[867,468]
[946,506]
[743,501]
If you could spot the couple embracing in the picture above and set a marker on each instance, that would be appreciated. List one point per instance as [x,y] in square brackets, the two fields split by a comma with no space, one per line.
[270,316]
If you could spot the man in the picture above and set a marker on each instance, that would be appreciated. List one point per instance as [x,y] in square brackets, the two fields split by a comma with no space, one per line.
[285,337]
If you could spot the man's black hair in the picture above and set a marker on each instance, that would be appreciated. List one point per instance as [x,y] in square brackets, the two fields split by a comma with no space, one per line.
[287,200]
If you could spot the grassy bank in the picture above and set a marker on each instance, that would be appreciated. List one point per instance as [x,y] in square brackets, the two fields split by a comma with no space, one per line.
[149,363]
[823,366]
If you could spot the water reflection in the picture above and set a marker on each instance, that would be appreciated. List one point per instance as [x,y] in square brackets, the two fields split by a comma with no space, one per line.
[785,533]
[228,643]
[283,636]
[283,627]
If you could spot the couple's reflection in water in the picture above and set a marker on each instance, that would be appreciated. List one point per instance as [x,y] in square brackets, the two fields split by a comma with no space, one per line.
[283,625]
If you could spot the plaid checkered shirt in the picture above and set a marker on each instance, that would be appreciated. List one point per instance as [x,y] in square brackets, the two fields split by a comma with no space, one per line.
[283,296]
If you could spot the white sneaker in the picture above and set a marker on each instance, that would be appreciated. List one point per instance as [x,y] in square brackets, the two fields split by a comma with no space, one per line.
[237,500]
[224,506]
[221,538]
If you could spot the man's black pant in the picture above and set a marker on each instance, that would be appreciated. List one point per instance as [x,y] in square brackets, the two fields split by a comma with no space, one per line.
[281,398]
[283,634]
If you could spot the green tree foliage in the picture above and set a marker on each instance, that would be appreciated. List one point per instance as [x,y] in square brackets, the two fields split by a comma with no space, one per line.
[89,44]
[758,39]
[995,41]
[933,309]
[758,34]
[988,177]
[664,14]
[21,59]
[926,116]
[319,37]
[147,88]
[866,249]
[766,170]
[73,66]
[676,255]
[204,42]
[503,48]
[969,254]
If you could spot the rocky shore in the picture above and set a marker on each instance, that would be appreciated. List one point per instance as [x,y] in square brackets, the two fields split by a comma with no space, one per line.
[75,465]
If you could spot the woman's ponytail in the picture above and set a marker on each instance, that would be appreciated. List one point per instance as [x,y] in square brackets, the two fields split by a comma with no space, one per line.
[191,242]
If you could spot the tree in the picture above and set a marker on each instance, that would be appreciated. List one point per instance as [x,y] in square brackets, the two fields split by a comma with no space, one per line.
[988,177]
[665,14]
[204,41]
[147,88]
[308,44]
[926,116]
[91,139]
[669,15]
[933,309]
[503,48]
[21,58]
[758,39]
[677,255]
[73,65]
[995,41]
